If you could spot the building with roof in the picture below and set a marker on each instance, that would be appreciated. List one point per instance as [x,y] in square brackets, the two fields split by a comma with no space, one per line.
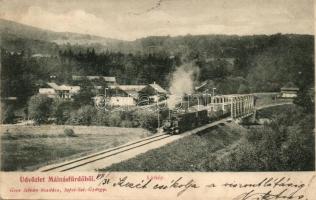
[59,91]
[109,80]
[122,101]
[289,91]
[39,55]
[154,92]
[121,95]
[130,90]
[124,95]
[129,95]
[49,92]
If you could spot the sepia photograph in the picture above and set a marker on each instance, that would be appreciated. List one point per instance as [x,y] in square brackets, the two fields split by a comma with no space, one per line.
[157,86]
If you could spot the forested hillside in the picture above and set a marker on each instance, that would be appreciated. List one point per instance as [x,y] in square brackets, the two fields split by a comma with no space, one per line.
[232,64]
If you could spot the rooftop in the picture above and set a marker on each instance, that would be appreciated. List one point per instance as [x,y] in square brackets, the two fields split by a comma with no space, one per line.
[106,78]
[158,88]
[290,86]
[63,87]
[129,87]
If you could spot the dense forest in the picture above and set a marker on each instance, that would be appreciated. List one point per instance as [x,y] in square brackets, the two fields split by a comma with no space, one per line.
[232,64]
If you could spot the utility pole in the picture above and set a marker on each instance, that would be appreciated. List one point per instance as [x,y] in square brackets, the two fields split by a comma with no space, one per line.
[157,106]
[206,97]
[105,91]
[214,91]
[158,118]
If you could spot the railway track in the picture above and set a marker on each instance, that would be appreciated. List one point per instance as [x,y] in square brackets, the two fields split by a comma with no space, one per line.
[117,152]
[132,146]
[104,154]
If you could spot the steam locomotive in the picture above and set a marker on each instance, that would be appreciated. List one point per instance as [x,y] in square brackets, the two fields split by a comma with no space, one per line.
[181,122]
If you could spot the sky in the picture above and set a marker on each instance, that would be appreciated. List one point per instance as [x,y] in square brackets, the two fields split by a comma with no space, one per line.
[132,19]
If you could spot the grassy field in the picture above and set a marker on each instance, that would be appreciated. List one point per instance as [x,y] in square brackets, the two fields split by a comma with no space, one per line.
[191,153]
[28,148]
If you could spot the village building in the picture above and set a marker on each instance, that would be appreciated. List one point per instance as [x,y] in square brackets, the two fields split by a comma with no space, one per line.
[131,90]
[289,91]
[109,80]
[124,95]
[154,92]
[39,55]
[122,101]
[9,98]
[115,96]
[130,95]
[59,91]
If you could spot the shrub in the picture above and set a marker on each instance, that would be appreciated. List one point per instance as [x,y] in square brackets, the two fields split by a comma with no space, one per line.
[115,119]
[146,119]
[101,118]
[39,108]
[127,123]
[70,133]
[83,116]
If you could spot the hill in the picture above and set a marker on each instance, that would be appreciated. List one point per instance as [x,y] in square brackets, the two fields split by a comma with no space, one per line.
[230,63]
[13,33]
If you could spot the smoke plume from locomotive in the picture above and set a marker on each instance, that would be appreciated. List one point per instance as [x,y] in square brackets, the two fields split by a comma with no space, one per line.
[182,83]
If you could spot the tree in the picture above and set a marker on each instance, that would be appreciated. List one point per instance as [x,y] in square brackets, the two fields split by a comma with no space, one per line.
[304,100]
[39,108]
[85,94]
[243,89]
[7,114]
[62,111]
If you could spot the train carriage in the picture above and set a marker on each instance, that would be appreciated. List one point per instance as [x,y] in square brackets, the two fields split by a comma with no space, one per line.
[181,122]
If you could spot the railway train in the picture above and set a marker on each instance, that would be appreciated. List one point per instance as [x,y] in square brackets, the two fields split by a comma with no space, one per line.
[181,122]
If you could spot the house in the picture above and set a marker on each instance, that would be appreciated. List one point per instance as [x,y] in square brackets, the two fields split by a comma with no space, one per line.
[59,91]
[9,98]
[154,92]
[129,95]
[231,61]
[49,92]
[130,90]
[109,80]
[119,95]
[124,95]
[39,55]
[122,101]
[114,101]
[289,91]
